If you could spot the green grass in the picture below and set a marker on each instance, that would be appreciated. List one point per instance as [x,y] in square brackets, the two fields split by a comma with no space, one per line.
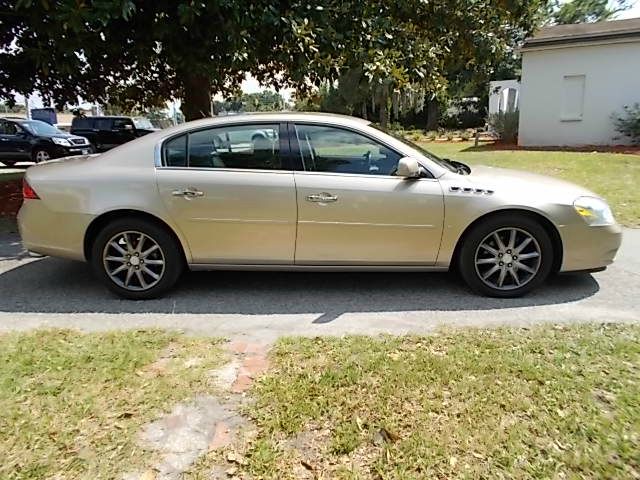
[6,177]
[72,404]
[546,402]
[613,176]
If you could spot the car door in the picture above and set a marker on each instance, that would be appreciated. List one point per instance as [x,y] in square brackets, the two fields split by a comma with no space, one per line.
[231,192]
[105,137]
[123,130]
[14,142]
[352,210]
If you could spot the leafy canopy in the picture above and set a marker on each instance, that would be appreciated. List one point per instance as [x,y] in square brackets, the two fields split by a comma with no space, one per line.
[144,52]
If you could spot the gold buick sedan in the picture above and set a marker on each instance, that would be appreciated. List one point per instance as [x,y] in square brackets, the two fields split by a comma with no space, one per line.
[306,192]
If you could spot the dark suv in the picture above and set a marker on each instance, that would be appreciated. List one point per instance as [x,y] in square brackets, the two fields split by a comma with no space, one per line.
[23,140]
[108,132]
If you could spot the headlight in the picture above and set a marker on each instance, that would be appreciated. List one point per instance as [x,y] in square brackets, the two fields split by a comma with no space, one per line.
[594,211]
[61,141]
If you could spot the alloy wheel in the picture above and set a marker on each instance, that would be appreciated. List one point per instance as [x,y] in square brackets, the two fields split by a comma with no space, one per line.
[42,156]
[508,258]
[133,260]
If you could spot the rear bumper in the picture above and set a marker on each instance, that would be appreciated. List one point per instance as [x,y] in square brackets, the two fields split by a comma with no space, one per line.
[46,232]
[589,248]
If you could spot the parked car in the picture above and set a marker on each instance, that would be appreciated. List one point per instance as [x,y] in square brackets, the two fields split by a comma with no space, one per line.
[23,140]
[106,133]
[311,192]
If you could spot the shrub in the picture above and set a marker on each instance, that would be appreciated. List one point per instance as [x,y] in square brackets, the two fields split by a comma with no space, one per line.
[505,125]
[628,122]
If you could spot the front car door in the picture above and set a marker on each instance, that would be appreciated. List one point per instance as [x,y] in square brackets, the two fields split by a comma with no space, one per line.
[352,210]
[231,192]
[123,130]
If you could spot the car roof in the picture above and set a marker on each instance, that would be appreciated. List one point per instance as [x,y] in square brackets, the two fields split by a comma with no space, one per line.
[263,117]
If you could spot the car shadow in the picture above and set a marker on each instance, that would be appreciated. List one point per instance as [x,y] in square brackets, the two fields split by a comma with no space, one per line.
[51,285]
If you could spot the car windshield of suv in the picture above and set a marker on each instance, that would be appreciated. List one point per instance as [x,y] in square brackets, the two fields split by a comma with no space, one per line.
[40,128]
[143,123]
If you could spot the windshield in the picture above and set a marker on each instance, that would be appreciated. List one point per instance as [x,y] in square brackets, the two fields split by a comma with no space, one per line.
[143,123]
[40,128]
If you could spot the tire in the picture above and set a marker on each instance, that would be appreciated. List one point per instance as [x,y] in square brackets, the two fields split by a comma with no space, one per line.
[8,163]
[483,262]
[167,258]
[41,155]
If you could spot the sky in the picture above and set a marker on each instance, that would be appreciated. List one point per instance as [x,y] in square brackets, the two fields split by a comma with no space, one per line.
[251,85]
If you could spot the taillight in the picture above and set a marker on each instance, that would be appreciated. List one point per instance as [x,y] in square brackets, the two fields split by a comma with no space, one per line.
[28,192]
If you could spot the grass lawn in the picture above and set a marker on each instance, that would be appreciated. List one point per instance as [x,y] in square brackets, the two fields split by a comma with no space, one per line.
[613,176]
[546,402]
[73,403]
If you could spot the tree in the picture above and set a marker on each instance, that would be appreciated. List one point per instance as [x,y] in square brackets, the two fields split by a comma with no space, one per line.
[144,52]
[585,11]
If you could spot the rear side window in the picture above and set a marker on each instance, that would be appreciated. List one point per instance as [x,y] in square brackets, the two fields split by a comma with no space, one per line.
[175,152]
[234,146]
[103,123]
[81,123]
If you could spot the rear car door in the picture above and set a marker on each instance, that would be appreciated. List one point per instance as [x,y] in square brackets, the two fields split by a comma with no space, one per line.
[230,189]
[352,210]
[14,142]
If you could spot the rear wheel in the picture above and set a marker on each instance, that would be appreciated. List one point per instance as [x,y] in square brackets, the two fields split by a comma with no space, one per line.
[506,256]
[8,163]
[136,259]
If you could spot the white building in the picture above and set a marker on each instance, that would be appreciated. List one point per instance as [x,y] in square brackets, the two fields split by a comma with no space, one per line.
[574,78]
[504,96]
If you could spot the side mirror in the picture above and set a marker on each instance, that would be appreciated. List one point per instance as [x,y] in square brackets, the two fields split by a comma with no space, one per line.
[408,167]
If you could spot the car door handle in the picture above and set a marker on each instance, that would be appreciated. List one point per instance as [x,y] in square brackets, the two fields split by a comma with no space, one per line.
[323,197]
[187,193]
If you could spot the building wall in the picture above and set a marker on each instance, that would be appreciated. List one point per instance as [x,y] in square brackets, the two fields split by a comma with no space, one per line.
[568,94]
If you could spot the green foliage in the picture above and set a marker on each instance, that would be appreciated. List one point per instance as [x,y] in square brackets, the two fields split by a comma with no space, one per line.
[628,122]
[143,52]
[586,11]
[505,125]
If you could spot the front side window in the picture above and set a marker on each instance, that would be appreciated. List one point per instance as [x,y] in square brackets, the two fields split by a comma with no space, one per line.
[122,124]
[235,146]
[336,150]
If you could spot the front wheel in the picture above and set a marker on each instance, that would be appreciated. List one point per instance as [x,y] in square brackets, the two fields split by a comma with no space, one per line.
[136,259]
[506,256]
[41,155]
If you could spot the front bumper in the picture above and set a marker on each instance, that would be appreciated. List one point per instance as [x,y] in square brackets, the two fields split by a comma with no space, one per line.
[60,151]
[589,248]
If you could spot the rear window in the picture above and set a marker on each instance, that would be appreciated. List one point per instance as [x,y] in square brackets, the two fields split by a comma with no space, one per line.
[81,123]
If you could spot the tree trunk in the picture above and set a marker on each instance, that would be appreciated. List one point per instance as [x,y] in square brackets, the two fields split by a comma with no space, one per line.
[197,97]
[433,114]
[384,109]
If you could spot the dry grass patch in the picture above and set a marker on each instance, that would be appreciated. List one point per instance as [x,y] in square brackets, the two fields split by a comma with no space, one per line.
[72,403]
[548,402]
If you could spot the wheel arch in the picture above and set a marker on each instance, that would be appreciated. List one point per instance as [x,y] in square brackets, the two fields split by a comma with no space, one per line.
[550,228]
[98,223]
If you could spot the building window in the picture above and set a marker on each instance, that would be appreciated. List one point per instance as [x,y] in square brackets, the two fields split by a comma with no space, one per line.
[572,98]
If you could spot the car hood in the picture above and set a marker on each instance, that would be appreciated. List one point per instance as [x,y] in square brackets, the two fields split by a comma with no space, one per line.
[66,136]
[503,179]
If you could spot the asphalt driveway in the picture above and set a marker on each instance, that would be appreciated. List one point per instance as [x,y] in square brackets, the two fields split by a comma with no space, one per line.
[51,292]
